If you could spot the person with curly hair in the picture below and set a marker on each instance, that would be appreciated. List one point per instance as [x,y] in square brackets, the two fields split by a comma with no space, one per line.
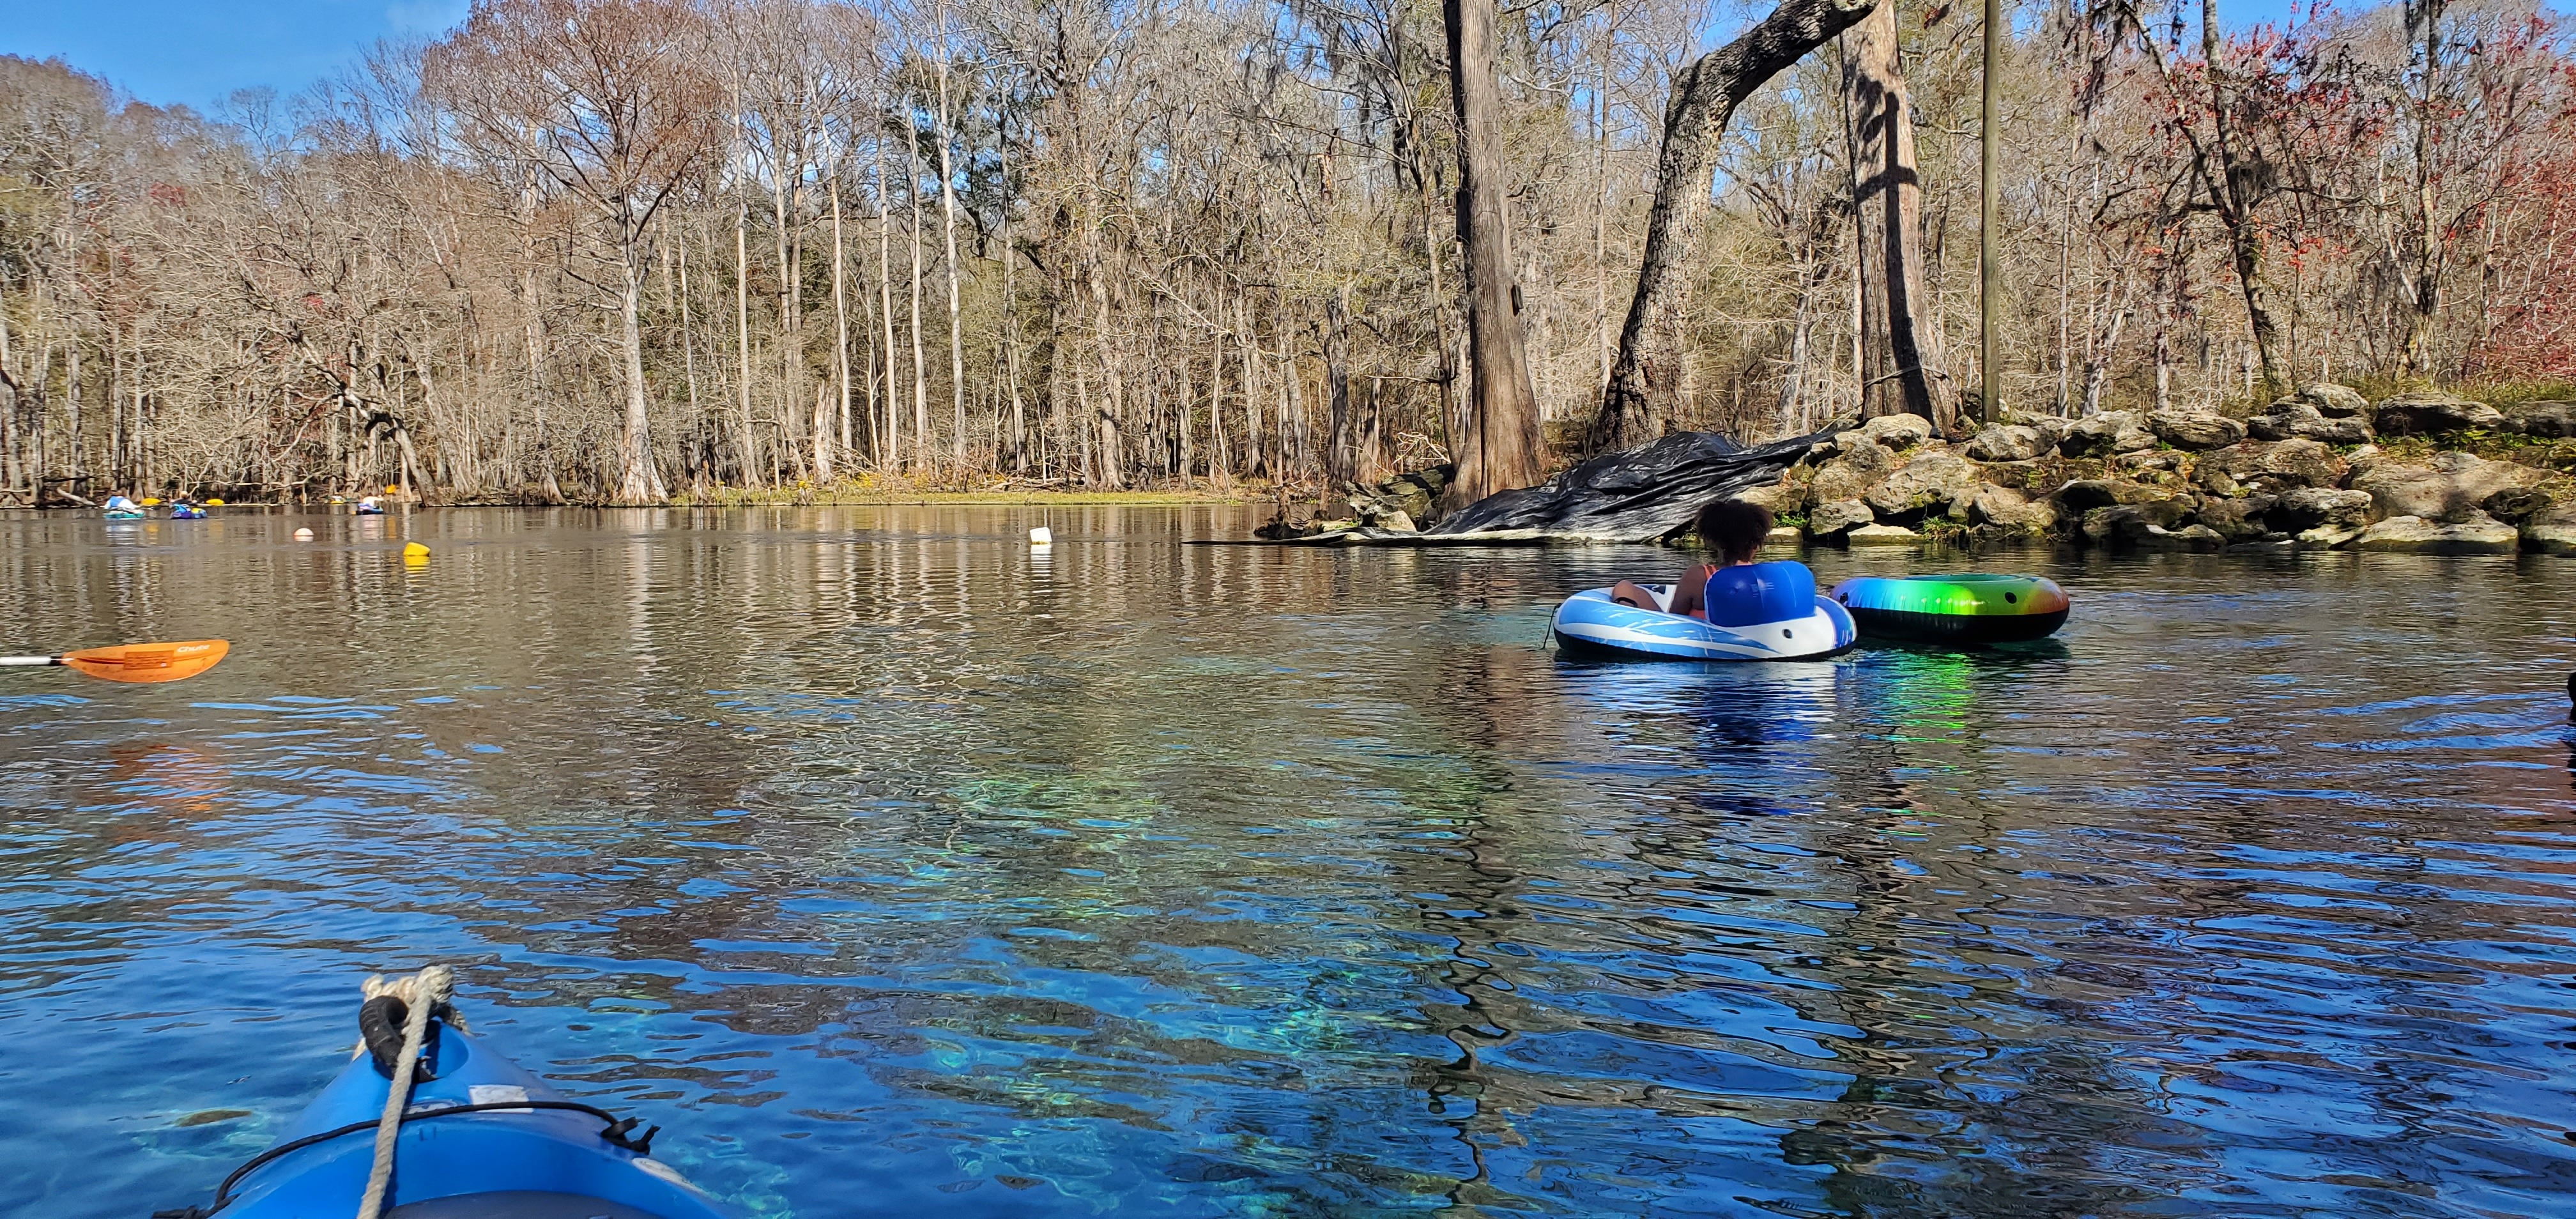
[1734,590]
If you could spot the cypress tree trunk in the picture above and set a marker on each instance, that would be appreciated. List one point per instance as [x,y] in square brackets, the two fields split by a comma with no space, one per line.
[1501,445]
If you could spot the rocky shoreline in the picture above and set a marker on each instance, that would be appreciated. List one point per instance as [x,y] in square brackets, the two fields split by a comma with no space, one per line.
[2323,469]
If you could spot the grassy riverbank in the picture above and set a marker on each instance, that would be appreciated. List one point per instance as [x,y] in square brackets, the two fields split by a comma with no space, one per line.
[874,490]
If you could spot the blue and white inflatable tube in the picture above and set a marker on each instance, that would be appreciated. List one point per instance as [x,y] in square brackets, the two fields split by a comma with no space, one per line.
[1592,624]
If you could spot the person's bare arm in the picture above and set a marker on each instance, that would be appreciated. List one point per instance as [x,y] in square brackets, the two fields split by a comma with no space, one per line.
[1689,595]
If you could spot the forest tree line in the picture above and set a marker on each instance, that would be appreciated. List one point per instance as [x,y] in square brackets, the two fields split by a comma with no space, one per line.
[617,250]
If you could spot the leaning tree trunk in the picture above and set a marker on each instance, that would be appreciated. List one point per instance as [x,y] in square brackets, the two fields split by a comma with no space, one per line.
[1901,367]
[1501,446]
[1648,369]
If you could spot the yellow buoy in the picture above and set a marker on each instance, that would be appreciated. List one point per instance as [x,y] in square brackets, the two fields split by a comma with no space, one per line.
[214,503]
[391,490]
[414,552]
[151,501]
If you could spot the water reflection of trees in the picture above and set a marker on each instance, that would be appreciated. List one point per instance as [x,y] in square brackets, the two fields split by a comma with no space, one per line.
[1146,841]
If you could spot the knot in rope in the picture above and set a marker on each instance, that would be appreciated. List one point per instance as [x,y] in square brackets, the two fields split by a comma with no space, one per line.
[421,995]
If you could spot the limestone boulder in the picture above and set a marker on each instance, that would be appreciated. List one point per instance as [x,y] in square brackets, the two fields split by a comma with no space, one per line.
[2107,433]
[2303,508]
[2276,466]
[1838,516]
[2145,525]
[2010,510]
[2517,505]
[2431,414]
[1928,484]
[1898,432]
[2195,430]
[2541,418]
[2194,536]
[2214,478]
[1849,474]
[2478,534]
[2241,519]
[2153,465]
[2449,488]
[1883,535]
[2293,419]
[1783,498]
[2552,530]
[2335,401]
[2086,494]
[2327,537]
[2010,442]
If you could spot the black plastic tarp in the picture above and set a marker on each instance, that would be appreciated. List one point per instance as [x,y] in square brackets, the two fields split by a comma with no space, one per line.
[1641,495]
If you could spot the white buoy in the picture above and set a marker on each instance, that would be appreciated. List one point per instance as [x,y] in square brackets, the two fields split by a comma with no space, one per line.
[1041,536]
[304,535]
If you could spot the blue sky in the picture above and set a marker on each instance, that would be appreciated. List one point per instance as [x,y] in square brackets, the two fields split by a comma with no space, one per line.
[175,51]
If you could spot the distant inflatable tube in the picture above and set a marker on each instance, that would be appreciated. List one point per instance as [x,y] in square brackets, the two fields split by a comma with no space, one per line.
[1968,609]
[1591,624]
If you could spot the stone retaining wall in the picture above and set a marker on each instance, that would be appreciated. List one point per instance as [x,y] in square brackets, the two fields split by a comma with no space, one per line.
[2322,469]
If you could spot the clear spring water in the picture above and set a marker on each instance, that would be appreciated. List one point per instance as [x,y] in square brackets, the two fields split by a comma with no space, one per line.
[898,870]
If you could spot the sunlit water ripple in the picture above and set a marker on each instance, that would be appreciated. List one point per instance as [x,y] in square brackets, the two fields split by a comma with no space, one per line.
[898,869]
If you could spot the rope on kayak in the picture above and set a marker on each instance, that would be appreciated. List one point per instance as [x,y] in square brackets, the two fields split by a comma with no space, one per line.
[420,993]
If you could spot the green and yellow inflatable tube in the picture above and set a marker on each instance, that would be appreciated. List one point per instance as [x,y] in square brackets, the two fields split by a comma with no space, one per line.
[1967,609]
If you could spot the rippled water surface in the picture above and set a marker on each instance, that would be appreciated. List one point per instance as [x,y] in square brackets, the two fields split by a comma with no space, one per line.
[898,870]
